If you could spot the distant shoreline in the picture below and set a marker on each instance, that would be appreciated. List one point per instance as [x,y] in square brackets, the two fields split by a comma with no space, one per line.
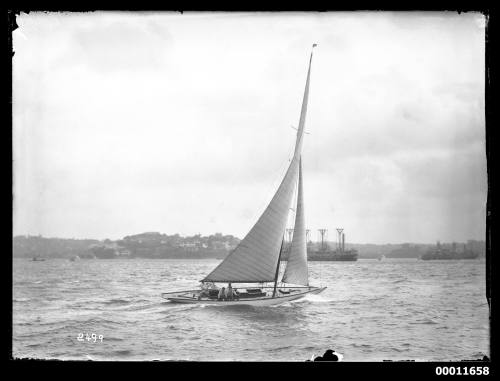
[155,245]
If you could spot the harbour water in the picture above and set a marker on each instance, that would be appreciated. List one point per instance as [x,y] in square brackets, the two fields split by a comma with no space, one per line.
[396,309]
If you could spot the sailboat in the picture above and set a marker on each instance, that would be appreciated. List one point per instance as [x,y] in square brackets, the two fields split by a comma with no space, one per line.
[257,258]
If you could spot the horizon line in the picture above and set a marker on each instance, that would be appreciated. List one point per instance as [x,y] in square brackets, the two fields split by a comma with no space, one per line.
[223,234]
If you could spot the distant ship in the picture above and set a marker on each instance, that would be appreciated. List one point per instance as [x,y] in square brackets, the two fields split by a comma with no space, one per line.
[440,252]
[324,253]
[333,255]
[381,258]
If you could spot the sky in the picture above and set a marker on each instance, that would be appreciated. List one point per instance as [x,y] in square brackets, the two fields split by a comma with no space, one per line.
[183,123]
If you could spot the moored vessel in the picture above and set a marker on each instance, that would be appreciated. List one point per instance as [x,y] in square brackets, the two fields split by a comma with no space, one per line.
[325,253]
[442,253]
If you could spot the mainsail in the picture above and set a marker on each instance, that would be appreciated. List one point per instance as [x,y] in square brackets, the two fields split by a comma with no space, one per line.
[256,257]
[296,268]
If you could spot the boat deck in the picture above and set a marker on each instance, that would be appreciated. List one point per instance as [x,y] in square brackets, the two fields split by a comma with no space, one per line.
[253,296]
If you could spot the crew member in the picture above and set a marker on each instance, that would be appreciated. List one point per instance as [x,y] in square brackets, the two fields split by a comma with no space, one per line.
[222,294]
[229,292]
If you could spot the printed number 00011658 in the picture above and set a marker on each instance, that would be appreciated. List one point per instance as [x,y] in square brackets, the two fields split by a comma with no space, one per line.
[462,370]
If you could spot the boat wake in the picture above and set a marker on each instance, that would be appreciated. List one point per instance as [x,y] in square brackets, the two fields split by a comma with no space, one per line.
[184,307]
[314,298]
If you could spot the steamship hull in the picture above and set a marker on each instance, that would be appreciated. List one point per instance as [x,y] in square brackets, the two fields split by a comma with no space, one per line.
[332,256]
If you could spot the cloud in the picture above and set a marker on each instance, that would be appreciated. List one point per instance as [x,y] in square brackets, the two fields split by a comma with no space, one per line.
[117,46]
[125,122]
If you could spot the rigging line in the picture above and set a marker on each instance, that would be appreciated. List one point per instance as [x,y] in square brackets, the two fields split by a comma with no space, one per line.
[278,267]
[291,222]
[291,216]
[315,147]
[271,190]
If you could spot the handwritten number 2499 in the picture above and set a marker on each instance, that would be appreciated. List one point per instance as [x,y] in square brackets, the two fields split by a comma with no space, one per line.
[92,337]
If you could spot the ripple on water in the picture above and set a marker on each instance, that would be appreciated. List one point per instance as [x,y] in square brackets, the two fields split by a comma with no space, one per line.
[21,300]
[424,321]
[114,302]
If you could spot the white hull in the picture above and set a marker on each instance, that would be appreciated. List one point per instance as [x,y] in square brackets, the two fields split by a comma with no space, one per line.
[189,297]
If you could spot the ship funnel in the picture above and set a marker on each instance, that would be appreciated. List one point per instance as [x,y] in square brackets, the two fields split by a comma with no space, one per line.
[339,231]
[323,233]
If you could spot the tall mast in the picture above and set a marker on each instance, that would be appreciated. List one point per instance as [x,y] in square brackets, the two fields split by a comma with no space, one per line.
[256,257]
[303,110]
[296,270]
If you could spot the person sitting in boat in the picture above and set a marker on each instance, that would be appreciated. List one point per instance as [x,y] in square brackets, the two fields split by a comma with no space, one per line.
[229,292]
[222,293]
[204,293]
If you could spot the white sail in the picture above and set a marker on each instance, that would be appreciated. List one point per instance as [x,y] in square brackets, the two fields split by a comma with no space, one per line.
[296,271]
[256,257]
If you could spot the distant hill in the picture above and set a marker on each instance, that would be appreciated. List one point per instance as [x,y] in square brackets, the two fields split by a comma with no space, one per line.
[148,245]
[158,245]
[30,246]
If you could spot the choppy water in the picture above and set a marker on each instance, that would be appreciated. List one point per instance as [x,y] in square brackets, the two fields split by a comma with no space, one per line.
[372,310]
